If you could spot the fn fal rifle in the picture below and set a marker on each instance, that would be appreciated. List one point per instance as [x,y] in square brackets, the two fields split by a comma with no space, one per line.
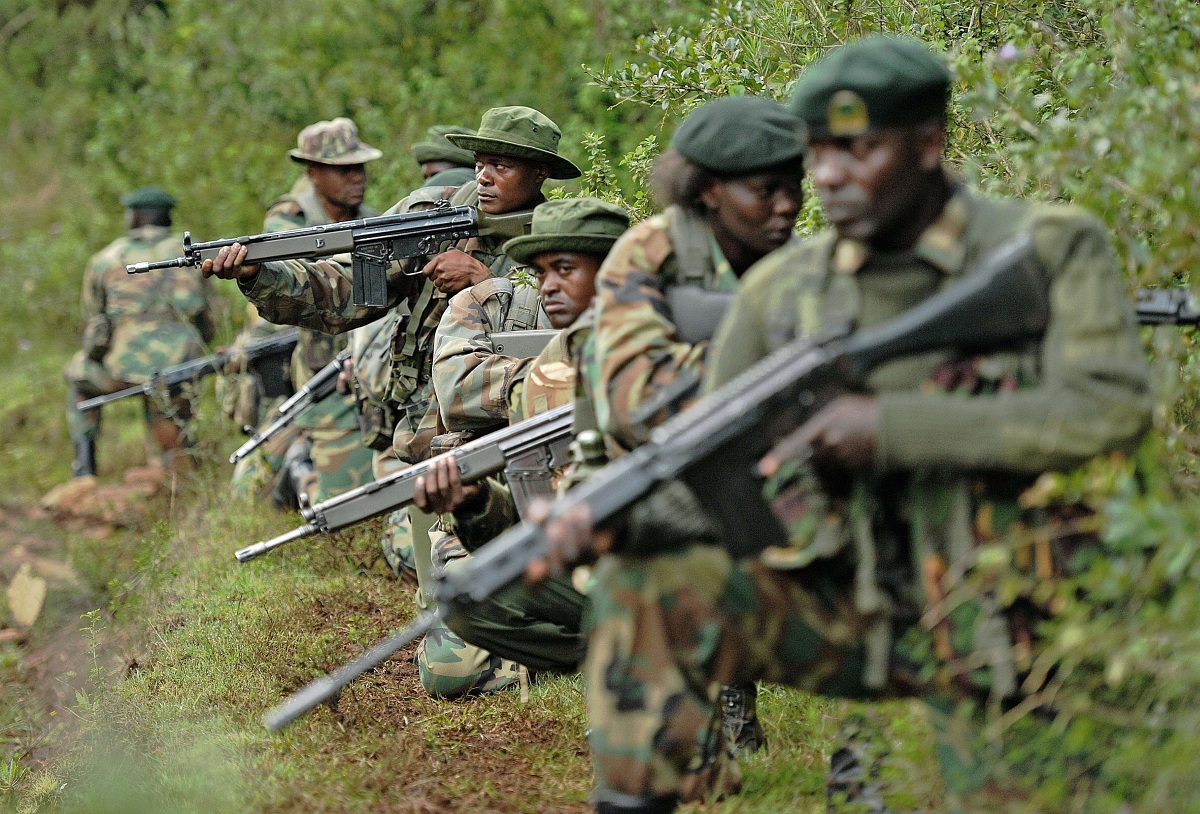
[313,392]
[163,380]
[715,446]
[527,452]
[1167,306]
[373,243]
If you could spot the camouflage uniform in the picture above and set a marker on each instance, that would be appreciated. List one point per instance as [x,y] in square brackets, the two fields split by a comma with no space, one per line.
[317,295]
[136,325]
[883,592]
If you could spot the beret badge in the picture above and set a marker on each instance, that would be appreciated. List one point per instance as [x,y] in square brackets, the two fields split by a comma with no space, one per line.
[847,114]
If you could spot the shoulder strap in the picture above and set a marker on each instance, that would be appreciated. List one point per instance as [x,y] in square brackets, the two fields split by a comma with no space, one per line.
[690,238]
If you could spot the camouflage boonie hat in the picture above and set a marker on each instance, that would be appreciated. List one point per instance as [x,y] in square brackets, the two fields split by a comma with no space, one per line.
[334,142]
[740,135]
[521,132]
[587,225]
[872,84]
[151,197]
[436,147]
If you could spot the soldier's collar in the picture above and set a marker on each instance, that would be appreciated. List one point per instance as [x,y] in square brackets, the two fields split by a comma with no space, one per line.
[941,244]
[150,231]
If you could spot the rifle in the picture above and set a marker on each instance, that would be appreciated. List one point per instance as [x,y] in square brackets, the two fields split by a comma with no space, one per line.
[527,452]
[162,381]
[522,344]
[1167,306]
[715,445]
[374,243]
[320,387]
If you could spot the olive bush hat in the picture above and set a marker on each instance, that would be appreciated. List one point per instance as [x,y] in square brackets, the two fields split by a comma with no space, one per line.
[874,83]
[587,225]
[436,147]
[738,135]
[333,142]
[521,132]
[151,197]
[455,177]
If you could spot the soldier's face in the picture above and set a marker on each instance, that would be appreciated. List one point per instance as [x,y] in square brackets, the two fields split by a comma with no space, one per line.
[432,168]
[342,186]
[566,282]
[754,215]
[507,184]
[873,187]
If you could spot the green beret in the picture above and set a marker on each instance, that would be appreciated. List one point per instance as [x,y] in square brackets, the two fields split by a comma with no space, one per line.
[151,197]
[450,178]
[872,84]
[587,225]
[436,147]
[521,132]
[739,135]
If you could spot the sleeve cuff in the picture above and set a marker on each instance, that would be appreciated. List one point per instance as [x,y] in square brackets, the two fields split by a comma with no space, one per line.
[919,429]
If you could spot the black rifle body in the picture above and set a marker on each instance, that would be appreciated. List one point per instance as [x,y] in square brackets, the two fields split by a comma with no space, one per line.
[320,387]
[373,243]
[1167,306]
[715,445]
[163,380]
[523,450]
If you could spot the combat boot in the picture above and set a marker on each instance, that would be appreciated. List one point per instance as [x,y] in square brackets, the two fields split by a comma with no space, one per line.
[739,718]
[84,463]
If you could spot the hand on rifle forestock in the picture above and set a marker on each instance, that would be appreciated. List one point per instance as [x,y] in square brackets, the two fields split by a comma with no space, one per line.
[571,539]
[228,264]
[441,489]
[839,439]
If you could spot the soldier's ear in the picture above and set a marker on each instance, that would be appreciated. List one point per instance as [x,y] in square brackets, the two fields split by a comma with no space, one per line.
[931,145]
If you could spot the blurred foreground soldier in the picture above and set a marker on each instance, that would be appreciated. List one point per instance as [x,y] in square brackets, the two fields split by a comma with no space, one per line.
[515,152]
[541,630]
[136,325]
[907,507]
[733,179]
[322,453]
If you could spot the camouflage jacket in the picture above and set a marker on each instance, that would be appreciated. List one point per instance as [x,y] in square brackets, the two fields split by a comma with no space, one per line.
[960,439]
[137,324]
[537,386]
[637,353]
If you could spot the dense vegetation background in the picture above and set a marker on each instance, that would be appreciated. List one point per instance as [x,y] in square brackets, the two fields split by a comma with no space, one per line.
[1095,102]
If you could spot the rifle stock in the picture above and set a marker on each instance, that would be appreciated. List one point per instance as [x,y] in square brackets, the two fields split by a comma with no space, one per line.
[163,380]
[715,444]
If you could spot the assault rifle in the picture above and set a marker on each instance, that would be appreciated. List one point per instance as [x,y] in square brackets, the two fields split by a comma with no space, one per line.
[373,243]
[163,380]
[715,446]
[1167,306]
[314,391]
[527,452]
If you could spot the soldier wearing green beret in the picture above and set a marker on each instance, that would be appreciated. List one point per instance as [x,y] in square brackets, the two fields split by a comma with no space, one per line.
[893,497]
[136,325]
[515,151]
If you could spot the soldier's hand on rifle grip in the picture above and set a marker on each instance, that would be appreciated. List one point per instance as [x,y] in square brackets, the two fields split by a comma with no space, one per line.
[453,270]
[571,540]
[228,264]
[345,379]
[441,489]
[841,436]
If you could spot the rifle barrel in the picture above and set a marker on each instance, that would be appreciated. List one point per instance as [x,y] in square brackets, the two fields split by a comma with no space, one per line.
[258,549]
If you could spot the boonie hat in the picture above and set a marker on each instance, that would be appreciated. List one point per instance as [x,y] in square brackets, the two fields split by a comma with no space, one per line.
[455,177]
[587,225]
[333,142]
[874,83]
[151,197]
[436,147]
[521,132]
[738,135]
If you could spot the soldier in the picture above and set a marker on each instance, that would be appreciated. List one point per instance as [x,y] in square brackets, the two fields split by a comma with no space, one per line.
[322,454]
[136,325]
[515,151]
[567,244]
[893,603]
[437,155]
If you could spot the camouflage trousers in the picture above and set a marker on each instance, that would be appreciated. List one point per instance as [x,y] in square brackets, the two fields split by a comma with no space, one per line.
[668,631]
[447,665]
[168,417]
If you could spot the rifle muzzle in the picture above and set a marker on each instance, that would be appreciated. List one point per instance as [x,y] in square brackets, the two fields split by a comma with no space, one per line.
[258,549]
